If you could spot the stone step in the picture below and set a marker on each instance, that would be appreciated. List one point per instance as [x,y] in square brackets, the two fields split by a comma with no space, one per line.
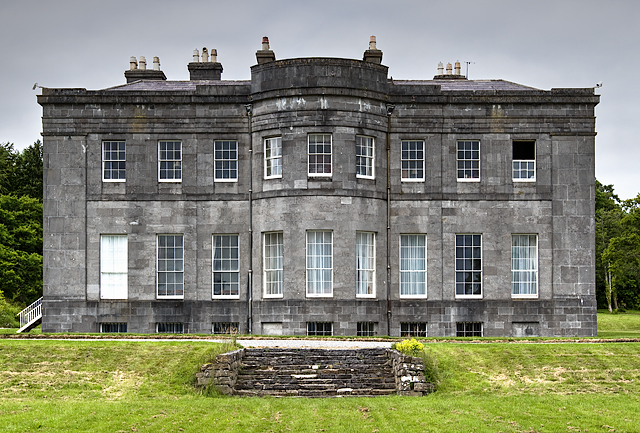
[341,392]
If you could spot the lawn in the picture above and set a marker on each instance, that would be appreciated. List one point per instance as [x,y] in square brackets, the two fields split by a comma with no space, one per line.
[122,386]
[619,325]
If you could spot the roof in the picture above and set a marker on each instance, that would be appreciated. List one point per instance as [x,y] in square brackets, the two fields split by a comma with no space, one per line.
[157,85]
[466,85]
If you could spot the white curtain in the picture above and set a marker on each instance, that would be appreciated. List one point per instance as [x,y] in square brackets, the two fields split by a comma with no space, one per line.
[413,265]
[319,262]
[524,265]
[273,263]
[113,267]
[365,263]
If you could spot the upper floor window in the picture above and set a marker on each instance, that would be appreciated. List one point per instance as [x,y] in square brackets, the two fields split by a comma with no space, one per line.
[412,160]
[469,266]
[524,161]
[524,266]
[225,160]
[273,264]
[272,157]
[170,161]
[413,266]
[365,264]
[226,266]
[170,274]
[114,160]
[319,263]
[113,267]
[468,160]
[319,154]
[365,154]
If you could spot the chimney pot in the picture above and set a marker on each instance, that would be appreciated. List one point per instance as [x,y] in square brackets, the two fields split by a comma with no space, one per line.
[457,67]
[133,63]
[156,63]
[440,68]
[196,56]
[214,55]
[372,43]
[449,69]
[143,63]
[265,43]
[265,55]
[205,54]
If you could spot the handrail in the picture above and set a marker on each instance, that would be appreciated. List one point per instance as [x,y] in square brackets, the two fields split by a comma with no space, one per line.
[31,313]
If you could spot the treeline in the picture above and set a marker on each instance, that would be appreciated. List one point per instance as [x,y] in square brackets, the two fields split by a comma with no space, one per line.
[20,228]
[617,250]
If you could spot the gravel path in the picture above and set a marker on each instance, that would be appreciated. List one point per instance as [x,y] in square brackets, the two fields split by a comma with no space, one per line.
[314,344]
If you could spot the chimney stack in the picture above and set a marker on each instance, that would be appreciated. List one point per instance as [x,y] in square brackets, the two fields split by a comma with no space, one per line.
[449,75]
[139,71]
[205,69]
[265,55]
[373,54]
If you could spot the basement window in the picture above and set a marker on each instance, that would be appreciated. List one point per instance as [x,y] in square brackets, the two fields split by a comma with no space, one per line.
[366,329]
[469,329]
[170,328]
[319,328]
[524,161]
[413,329]
[224,328]
[113,327]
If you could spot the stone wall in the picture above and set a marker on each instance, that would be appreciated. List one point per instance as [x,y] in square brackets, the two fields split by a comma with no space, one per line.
[409,372]
[224,372]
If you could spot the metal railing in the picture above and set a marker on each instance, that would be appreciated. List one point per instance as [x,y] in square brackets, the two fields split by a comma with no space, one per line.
[30,313]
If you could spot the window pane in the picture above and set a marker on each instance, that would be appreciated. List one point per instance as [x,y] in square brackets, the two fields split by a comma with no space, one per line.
[413,265]
[468,155]
[225,264]
[319,263]
[469,270]
[524,265]
[170,266]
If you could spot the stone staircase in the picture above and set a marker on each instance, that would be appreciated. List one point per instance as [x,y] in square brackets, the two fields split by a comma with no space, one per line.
[315,373]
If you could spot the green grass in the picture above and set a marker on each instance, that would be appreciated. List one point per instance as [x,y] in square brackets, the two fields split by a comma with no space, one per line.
[619,325]
[120,386]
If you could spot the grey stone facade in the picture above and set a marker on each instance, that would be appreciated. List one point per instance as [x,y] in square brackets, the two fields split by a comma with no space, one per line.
[343,98]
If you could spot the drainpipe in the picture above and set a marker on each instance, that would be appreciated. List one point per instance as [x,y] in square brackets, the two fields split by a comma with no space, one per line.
[390,108]
[250,276]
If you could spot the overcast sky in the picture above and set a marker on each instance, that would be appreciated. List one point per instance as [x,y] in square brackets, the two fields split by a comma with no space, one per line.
[539,43]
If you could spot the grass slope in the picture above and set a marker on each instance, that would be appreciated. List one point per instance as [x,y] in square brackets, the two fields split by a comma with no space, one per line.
[120,386]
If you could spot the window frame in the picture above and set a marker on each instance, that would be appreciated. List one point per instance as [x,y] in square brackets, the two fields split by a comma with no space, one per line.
[403,160]
[309,154]
[172,326]
[105,160]
[534,271]
[120,256]
[322,332]
[232,328]
[403,272]
[266,269]
[464,169]
[158,271]
[231,161]
[370,160]
[225,271]
[268,160]
[463,271]
[106,326]
[308,280]
[528,161]
[371,271]
[161,160]
[469,333]
[366,329]
[411,326]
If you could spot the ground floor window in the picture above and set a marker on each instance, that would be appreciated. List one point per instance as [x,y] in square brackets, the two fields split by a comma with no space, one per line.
[469,329]
[226,267]
[413,329]
[524,266]
[319,328]
[113,266]
[224,328]
[366,329]
[469,265]
[170,274]
[113,327]
[169,328]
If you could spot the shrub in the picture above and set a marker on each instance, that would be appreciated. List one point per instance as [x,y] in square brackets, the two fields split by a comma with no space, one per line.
[8,314]
[409,347]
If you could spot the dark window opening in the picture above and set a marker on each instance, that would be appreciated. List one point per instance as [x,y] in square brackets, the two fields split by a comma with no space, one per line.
[366,329]
[524,150]
[113,327]
[170,328]
[319,328]
[413,329]
[469,329]
[224,328]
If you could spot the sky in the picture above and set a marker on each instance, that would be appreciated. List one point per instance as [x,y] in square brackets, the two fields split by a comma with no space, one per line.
[539,43]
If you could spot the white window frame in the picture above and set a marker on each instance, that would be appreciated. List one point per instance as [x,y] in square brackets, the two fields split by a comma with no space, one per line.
[312,283]
[515,263]
[405,156]
[273,272]
[309,154]
[176,162]
[519,162]
[174,261]
[232,162]
[404,272]
[113,267]
[463,270]
[364,269]
[107,157]
[369,157]
[464,160]
[230,260]
[273,157]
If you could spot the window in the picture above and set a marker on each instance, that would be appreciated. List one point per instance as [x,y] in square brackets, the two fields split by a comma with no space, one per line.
[226,266]
[469,160]
[366,329]
[319,328]
[226,161]
[468,329]
[365,154]
[113,327]
[169,328]
[170,266]
[365,264]
[415,329]
[469,265]
[524,161]
[524,266]
[113,267]
[273,258]
[224,328]
[272,157]
[319,154]
[170,158]
[319,263]
[413,266]
[412,160]
[114,161]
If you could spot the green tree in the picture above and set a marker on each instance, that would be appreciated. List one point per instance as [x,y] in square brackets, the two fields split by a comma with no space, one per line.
[608,215]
